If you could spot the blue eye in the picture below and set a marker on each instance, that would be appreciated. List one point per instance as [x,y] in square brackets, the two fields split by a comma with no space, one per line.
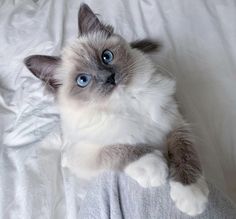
[83,80]
[107,56]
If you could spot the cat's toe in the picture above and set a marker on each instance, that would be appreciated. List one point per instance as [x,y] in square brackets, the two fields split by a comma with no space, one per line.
[149,171]
[190,199]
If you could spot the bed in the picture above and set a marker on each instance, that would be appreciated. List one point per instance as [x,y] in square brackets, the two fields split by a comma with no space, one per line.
[199,50]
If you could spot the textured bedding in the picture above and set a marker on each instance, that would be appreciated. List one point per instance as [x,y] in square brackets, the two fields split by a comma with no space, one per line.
[199,50]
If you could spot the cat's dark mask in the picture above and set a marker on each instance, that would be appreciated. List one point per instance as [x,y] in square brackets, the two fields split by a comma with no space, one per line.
[95,64]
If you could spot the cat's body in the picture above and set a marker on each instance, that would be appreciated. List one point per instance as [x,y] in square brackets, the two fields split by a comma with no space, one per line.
[142,113]
[118,112]
[131,116]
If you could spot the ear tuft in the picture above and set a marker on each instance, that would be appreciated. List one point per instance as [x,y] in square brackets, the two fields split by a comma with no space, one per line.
[44,68]
[146,45]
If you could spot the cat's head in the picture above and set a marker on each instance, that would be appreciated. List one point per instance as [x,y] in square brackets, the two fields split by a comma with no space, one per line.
[95,65]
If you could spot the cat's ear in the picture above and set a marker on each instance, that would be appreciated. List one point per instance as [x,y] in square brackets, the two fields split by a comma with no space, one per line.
[146,45]
[89,22]
[44,68]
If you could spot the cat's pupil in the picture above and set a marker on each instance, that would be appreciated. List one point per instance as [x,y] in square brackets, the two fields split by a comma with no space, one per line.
[106,56]
[83,79]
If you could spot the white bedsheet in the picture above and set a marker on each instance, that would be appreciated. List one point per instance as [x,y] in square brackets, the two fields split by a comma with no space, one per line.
[199,48]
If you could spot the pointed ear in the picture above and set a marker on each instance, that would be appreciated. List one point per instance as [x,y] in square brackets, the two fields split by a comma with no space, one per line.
[146,45]
[89,22]
[44,68]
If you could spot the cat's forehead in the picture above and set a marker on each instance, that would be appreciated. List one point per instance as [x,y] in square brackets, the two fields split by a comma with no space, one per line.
[99,40]
[90,45]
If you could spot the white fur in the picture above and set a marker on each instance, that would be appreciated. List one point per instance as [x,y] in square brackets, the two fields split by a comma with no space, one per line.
[150,170]
[81,163]
[190,199]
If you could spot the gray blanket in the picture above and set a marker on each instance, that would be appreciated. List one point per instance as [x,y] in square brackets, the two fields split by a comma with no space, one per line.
[116,196]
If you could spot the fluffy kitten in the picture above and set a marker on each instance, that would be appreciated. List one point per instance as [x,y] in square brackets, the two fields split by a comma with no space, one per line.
[118,112]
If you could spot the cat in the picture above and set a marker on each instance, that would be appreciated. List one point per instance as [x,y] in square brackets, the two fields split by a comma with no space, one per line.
[118,112]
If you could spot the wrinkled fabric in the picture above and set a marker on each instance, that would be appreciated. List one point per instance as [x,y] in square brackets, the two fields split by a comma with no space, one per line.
[199,49]
[115,196]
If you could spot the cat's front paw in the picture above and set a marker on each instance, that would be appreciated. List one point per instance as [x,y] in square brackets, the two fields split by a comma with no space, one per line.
[190,199]
[150,170]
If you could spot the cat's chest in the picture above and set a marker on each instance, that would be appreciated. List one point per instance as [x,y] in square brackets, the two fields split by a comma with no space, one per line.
[128,120]
[129,127]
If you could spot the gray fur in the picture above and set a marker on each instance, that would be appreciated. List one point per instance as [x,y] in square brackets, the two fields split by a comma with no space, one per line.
[119,156]
[89,22]
[146,45]
[183,160]
[44,68]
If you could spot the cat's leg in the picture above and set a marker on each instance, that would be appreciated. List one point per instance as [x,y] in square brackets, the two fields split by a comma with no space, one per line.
[144,164]
[188,188]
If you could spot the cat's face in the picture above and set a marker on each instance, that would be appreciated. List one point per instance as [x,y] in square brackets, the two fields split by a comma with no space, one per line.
[93,67]
[96,65]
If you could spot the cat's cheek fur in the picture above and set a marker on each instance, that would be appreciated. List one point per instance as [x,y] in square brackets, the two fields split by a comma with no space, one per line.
[151,170]
[190,199]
